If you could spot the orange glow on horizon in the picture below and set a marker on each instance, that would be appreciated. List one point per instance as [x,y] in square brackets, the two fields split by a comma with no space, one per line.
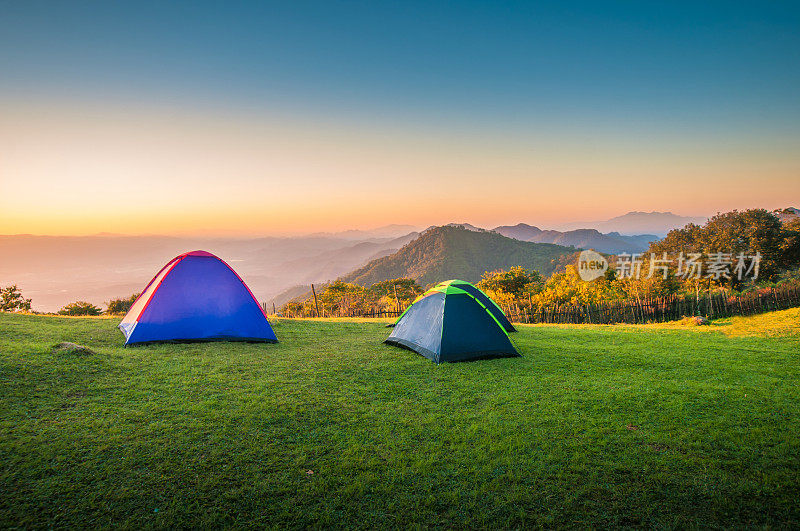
[69,171]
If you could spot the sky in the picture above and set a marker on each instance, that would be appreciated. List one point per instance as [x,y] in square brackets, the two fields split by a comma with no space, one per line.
[256,118]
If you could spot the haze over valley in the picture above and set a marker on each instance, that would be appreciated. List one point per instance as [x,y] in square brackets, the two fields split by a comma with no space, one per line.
[56,270]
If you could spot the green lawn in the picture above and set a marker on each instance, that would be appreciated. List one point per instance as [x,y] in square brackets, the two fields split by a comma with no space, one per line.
[656,425]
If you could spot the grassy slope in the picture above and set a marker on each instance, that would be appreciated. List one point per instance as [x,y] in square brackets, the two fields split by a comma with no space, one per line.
[595,425]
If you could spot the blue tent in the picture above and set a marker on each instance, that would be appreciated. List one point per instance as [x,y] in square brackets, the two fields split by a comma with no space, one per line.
[448,323]
[196,296]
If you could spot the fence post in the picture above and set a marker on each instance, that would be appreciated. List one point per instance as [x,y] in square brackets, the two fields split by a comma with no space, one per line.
[316,304]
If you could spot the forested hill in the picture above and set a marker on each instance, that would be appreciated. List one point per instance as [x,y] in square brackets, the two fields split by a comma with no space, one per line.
[443,253]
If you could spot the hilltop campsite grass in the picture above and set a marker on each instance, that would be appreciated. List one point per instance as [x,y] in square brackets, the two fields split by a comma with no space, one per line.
[654,425]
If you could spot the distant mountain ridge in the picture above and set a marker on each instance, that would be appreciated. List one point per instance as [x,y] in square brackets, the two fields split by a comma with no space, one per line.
[581,238]
[467,226]
[56,270]
[787,214]
[386,231]
[447,252]
[635,222]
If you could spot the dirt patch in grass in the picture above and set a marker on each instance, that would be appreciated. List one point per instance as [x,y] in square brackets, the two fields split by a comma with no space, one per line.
[73,348]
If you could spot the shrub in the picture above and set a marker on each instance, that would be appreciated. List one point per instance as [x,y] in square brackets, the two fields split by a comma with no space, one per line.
[11,300]
[79,308]
[121,306]
[517,281]
[696,320]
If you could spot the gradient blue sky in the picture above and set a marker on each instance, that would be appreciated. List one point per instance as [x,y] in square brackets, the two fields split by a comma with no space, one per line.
[621,99]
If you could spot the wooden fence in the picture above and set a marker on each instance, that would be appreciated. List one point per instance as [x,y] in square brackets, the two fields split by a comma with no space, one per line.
[656,310]
[653,310]
[323,313]
[373,314]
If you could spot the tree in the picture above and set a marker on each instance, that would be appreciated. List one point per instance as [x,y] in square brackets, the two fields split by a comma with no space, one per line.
[569,288]
[79,308]
[342,298]
[397,292]
[293,309]
[650,282]
[748,232]
[11,300]
[121,306]
[517,281]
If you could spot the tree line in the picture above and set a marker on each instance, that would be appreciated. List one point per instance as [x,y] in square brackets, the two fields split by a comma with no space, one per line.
[12,300]
[343,299]
[719,242]
[520,291]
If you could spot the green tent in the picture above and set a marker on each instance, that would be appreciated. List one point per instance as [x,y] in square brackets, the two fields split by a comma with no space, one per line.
[448,323]
[484,299]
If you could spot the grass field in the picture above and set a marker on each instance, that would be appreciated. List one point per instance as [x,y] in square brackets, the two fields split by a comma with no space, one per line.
[655,425]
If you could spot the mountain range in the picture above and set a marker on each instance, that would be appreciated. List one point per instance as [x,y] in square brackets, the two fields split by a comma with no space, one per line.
[56,270]
[787,214]
[657,223]
[387,231]
[613,242]
[448,252]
